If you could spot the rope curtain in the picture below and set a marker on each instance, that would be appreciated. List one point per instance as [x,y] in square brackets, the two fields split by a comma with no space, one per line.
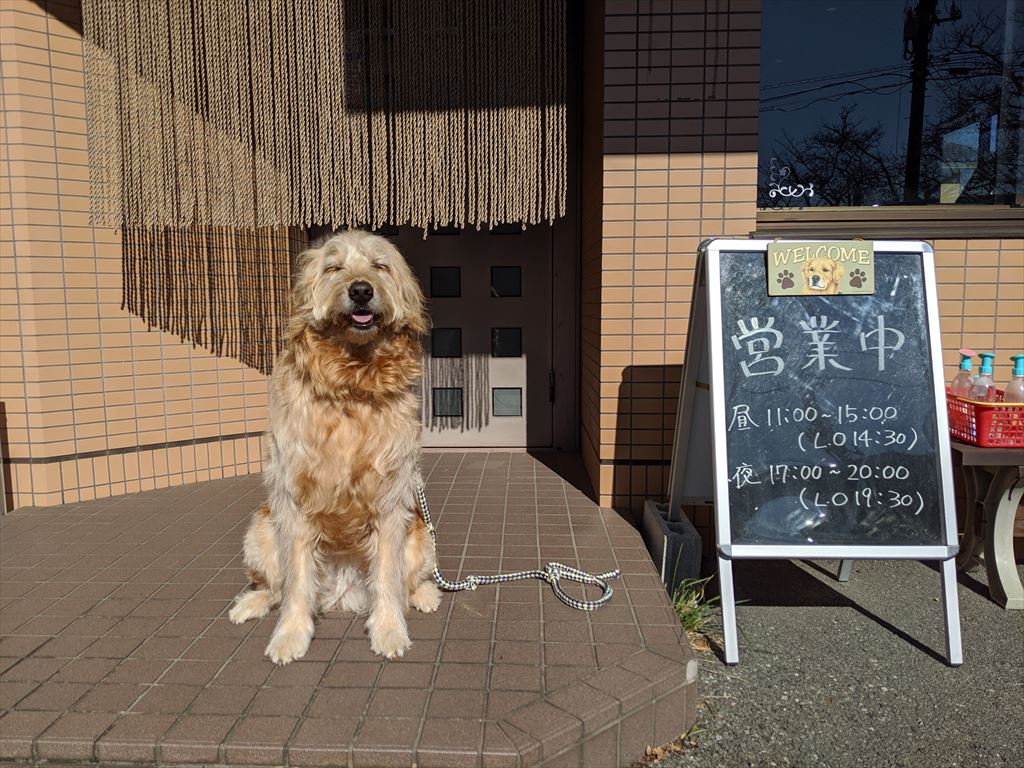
[223,288]
[277,113]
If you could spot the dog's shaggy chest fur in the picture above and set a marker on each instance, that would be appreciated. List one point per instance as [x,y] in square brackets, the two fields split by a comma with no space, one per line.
[340,528]
[326,398]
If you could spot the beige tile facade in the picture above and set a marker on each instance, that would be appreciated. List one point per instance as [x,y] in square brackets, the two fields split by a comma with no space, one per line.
[94,402]
[676,163]
[675,92]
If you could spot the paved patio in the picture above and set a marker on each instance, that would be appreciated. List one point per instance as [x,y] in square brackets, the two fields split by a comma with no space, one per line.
[116,647]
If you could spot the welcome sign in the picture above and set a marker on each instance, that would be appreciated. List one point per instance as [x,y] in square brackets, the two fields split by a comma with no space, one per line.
[821,268]
[824,416]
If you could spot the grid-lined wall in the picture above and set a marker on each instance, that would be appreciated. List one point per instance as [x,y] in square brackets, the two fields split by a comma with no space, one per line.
[94,402]
[679,94]
[679,164]
[981,299]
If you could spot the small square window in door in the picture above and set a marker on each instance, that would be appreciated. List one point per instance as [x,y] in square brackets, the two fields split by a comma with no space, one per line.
[506,282]
[445,282]
[447,401]
[506,342]
[507,401]
[446,342]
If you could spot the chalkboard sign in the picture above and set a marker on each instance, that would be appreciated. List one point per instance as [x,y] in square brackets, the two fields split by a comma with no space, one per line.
[828,424]
[830,415]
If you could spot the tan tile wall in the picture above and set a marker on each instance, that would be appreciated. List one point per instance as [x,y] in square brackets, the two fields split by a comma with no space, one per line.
[675,170]
[94,402]
[981,299]
[678,164]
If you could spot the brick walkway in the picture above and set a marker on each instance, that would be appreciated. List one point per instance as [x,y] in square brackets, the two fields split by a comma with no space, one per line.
[116,645]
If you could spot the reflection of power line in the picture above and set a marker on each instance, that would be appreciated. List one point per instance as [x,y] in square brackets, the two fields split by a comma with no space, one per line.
[886,90]
[964,61]
[861,82]
[844,75]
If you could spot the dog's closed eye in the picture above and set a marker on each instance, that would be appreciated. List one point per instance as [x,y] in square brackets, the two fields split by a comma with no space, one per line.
[380,265]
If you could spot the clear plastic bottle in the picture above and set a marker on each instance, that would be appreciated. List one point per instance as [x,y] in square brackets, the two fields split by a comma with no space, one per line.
[984,388]
[1014,391]
[961,383]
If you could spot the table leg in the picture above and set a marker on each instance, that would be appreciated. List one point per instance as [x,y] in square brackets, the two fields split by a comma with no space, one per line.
[971,542]
[1001,502]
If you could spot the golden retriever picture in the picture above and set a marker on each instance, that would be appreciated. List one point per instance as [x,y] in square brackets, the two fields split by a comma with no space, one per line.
[340,528]
[821,277]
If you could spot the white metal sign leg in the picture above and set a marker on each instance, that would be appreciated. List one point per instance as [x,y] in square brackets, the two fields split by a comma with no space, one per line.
[951,609]
[845,569]
[732,651]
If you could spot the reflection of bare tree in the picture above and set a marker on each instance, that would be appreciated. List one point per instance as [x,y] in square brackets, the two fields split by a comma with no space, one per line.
[843,160]
[971,150]
[978,68]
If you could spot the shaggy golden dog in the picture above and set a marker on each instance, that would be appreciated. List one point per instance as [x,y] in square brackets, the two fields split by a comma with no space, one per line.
[340,528]
[822,276]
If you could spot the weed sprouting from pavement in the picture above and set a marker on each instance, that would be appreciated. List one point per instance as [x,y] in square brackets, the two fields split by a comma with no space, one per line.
[695,609]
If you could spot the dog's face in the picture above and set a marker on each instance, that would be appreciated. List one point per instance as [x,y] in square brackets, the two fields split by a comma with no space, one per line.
[822,276]
[358,286]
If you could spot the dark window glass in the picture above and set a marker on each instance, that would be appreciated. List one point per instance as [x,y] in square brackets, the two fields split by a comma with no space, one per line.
[445,282]
[507,229]
[873,102]
[506,282]
[506,342]
[507,401]
[445,230]
[446,342]
[447,401]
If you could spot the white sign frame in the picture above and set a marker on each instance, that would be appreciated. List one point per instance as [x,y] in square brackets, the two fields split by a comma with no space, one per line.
[708,271]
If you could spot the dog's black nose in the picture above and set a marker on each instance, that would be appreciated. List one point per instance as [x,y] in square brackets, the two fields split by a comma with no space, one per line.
[360,292]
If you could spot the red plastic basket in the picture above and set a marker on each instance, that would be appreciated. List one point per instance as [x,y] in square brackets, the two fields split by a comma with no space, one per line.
[990,425]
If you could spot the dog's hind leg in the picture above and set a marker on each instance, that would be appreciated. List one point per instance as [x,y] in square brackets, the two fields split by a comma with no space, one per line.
[260,556]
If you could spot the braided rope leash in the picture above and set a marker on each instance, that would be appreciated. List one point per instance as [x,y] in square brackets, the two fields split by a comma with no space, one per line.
[553,573]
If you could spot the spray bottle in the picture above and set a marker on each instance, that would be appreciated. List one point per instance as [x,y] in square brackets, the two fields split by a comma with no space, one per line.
[984,388]
[1014,392]
[961,383]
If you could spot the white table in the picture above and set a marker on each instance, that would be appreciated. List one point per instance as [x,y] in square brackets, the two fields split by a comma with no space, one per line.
[994,483]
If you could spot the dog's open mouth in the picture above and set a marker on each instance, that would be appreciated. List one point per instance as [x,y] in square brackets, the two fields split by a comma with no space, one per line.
[362,319]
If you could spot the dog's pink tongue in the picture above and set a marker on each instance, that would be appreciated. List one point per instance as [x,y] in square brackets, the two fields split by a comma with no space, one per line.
[362,317]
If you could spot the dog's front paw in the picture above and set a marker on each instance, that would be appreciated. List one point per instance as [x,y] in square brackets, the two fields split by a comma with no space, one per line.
[426,598]
[288,644]
[391,643]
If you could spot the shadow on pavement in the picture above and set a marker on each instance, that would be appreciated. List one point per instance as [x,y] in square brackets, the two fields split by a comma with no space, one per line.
[773,583]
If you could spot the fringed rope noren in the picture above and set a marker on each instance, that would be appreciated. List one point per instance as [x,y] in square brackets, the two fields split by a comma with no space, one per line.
[225,289]
[270,113]
[214,125]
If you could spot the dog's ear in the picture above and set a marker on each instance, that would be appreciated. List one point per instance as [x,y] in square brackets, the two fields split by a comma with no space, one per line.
[305,272]
[837,272]
[410,313]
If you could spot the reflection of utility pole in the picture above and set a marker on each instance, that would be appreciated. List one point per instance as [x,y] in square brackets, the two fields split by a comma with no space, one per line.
[917,32]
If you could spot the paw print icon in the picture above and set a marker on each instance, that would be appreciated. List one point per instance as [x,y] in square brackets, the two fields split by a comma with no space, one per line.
[857,278]
[785,279]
